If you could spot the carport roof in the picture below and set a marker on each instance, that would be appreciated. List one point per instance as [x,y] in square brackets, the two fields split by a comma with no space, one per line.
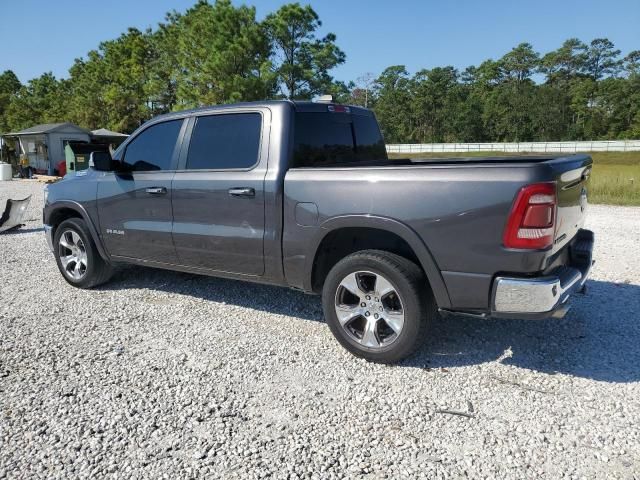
[103,132]
[46,128]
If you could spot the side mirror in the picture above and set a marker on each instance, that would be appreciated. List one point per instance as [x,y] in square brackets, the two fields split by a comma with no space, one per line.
[101,161]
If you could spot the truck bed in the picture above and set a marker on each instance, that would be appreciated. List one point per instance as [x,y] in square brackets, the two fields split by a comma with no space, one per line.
[407,162]
[458,207]
[476,160]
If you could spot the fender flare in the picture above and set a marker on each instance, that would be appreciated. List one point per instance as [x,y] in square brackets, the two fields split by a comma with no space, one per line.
[78,208]
[390,225]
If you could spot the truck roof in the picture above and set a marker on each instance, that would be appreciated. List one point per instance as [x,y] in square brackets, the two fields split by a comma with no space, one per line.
[298,105]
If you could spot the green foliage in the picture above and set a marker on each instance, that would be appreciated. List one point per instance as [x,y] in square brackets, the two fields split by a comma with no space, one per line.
[107,89]
[216,53]
[222,56]
[393,104]
[125,73]
[211,54]
[566,63]
[602,59]
[520,63]
[588,93]
[41,100]
[303,61]
[9,86]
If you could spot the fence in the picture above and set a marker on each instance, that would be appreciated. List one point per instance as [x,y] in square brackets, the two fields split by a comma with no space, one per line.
[555,147]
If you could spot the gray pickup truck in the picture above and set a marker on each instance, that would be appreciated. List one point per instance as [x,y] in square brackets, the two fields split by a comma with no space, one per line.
[302,195]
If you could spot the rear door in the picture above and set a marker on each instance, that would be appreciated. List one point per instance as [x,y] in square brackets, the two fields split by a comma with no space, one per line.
[134,205]
[218,192]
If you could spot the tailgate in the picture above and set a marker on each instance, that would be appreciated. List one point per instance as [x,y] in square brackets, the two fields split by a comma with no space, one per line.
[571,175]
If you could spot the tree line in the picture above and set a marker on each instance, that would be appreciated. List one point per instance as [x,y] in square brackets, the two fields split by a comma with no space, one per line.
[578,92]
[219,53]
[211,54]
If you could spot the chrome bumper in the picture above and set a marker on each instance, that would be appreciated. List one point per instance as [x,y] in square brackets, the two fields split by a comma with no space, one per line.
[48,232]
[545,296]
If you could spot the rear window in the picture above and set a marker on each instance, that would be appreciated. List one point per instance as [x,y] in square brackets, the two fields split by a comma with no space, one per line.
[225,141]
[325,139]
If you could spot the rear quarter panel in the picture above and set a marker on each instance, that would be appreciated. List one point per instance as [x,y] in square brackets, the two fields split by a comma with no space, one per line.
[457,211]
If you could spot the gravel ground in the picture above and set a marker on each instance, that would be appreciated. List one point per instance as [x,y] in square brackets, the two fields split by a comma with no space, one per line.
[169,375]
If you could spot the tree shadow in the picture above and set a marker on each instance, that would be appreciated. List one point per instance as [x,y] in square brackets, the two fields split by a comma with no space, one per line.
[598,339]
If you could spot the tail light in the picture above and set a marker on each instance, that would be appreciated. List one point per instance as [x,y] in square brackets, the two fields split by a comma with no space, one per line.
[338,109]
[531,223]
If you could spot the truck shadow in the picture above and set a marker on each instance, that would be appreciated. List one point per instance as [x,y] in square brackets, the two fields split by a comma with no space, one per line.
[271,299]
[598,339]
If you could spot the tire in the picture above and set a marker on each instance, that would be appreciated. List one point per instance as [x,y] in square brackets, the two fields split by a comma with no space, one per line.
[81,251]
[372,329]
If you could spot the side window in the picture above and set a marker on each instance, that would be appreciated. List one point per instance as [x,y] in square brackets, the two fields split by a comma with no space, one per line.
[152,150]
[225,141]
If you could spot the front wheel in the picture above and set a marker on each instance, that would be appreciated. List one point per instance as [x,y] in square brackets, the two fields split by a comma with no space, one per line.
[77,255]
[378,305]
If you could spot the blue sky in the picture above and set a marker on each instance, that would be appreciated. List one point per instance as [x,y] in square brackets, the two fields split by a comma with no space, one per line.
[44,35]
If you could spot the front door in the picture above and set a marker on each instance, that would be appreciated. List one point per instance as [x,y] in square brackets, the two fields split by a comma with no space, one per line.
[218,194]
[134,204]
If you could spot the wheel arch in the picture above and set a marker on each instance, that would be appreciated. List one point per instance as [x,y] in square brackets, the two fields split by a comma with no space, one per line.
[395,237]
[62,210]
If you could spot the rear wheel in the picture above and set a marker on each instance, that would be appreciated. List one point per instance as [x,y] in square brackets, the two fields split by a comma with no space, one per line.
[378,305]
[77,256]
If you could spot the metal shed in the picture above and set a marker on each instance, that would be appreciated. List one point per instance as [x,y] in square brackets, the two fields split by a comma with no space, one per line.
[44,144]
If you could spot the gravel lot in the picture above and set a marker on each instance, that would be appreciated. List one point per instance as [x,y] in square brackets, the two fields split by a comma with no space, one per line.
[168,375]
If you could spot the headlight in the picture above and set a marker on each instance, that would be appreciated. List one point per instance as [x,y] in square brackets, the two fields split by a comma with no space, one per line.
[46,194]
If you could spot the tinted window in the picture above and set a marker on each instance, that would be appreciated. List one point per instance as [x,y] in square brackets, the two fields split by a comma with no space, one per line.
[153,148]
[225,141]
[324,139]
[369,142]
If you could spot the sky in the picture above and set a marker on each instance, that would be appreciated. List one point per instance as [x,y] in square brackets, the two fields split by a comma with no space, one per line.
[37,36]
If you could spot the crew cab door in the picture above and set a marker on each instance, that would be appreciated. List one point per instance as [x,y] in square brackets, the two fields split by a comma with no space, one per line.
[134,203]
[218,192]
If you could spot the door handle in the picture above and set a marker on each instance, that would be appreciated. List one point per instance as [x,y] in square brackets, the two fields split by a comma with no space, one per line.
[242,192]
[156,190]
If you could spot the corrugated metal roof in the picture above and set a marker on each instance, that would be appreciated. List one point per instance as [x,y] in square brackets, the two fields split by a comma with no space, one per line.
[103,132]
[46,128]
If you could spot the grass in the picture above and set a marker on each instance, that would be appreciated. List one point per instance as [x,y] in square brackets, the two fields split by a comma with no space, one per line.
[615,179]
[615,184]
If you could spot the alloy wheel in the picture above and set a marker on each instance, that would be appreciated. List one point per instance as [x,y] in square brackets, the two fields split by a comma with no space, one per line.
[369,309]
[73,255]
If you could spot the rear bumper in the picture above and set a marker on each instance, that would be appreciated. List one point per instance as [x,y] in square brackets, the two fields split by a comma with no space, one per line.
[544,296]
